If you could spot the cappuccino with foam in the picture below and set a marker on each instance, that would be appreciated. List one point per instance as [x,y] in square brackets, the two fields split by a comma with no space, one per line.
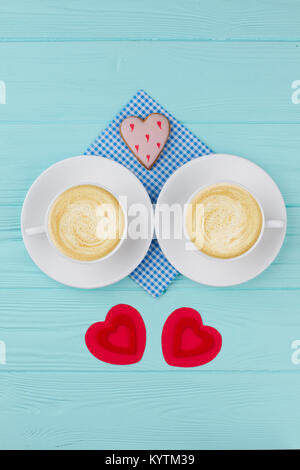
[86,222]
[223,220]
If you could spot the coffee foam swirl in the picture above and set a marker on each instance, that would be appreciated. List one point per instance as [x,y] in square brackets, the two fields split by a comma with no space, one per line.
[224,220]
[86,222]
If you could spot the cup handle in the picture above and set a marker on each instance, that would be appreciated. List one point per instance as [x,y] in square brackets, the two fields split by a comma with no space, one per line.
[274,224]
[35,230]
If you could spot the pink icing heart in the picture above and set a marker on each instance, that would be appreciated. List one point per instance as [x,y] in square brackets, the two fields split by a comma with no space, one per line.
[155,128]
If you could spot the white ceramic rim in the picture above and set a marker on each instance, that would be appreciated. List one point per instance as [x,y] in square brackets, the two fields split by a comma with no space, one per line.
[235,273]
[65,278]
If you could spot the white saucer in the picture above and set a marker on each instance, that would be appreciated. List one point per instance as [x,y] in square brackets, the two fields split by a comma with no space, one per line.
[71,172]
[207,170]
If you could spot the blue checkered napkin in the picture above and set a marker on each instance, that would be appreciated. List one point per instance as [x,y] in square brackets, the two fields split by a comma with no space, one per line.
[155,272]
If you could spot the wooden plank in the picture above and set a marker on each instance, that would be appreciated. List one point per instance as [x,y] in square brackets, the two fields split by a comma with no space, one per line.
[140,20]
[150,411]
[44,329]
[226,82]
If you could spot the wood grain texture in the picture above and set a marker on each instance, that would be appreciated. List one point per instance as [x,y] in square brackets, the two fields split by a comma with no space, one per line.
[156,20]
[197,81]
[149,411]
[225,69]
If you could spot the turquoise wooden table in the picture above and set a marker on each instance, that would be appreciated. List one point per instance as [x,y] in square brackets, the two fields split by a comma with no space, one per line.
[228,70]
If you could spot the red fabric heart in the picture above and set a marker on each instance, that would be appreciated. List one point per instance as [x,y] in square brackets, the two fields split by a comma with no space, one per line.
[186,342]
[120,339]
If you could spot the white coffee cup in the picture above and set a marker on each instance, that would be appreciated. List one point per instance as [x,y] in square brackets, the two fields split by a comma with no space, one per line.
[266,223]
[43,229]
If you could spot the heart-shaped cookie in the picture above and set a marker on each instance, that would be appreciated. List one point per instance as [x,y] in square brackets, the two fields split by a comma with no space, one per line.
[120,339]
[146,138]
[186,342]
